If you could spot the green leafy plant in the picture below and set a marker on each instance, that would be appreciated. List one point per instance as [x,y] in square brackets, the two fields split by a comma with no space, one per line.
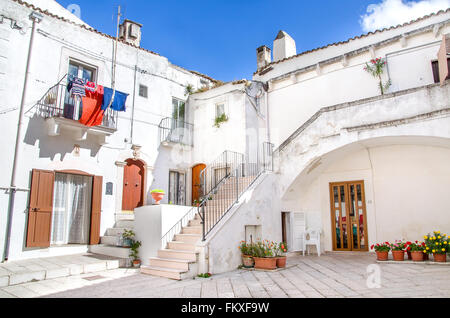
[398,246]
[246,249]
[189,90]
[220,119]
[265,249]
[134,250]
[376,69]
[437,243]
[416,247]
[281,249]
[381,247]
[205,275]
[127,237]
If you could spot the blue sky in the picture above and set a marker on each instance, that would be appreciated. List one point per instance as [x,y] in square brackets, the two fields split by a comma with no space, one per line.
[219,37]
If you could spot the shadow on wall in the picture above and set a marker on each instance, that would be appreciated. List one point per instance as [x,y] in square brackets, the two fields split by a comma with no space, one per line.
[50,146]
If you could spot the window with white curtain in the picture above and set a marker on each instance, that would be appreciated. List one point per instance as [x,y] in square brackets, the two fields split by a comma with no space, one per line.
[71,209]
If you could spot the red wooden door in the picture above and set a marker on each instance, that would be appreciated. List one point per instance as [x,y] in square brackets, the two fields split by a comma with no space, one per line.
[133,185]
[196,186]
[41,208]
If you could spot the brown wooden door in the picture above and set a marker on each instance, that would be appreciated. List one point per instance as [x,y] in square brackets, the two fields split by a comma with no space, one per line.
[96,210]
[41,208]
[133,185]
[196,186]
[348,216]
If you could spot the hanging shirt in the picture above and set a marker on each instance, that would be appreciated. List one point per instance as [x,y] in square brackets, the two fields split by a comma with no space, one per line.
[76,87]
[90,86]
[119,100]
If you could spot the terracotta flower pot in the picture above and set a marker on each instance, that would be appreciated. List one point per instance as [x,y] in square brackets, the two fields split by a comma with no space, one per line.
[157,197]
[382,256]
[265,263]
[398,255]
[441,258]
[248,261]
[417,256]
[136,263]
[281,262]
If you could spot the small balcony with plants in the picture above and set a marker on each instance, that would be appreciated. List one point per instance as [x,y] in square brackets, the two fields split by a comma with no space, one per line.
[175,131]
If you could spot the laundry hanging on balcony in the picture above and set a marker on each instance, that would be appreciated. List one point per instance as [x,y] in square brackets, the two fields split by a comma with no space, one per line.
[118,102]
[76,86]
[92,113]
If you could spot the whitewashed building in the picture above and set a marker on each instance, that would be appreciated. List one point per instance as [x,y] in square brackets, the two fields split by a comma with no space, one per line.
[308,143]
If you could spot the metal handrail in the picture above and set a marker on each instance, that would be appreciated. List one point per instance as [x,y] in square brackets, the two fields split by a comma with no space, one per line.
[176,229]
[221,198]
[176,131]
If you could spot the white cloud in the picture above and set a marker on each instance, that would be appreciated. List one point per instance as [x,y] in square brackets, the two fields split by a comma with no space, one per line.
[394,12]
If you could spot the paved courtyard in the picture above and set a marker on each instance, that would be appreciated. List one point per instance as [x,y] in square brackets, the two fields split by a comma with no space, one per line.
[331,275]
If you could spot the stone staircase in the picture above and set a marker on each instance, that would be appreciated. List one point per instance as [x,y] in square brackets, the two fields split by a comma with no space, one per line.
[179,259]
[110,242]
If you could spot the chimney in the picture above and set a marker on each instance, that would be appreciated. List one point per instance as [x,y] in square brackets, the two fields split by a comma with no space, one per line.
[263,56]
[130,32]
[283,46]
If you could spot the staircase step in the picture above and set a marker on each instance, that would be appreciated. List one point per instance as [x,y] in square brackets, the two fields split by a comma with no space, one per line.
[181,264]
[188,238]
[115,251]
[182,246]
[162,272]
[197,229]
[178,254]
[115,231]
[124,216]
[195,222]
[127,224]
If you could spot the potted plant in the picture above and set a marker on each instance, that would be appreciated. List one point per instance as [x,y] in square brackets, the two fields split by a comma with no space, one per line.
[376,69]
[220,119]
[247,252]
[127,238]
[382,250]
[281,251]
[158,195]
[398,251]
[417,250]
[134,253]
[263,254]
[438,245]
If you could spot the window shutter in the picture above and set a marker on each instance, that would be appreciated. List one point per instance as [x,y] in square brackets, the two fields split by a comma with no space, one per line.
[96,210]
[41,208]
[299,228]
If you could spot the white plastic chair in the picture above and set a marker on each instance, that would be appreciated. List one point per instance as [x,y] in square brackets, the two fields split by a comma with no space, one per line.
[314,239]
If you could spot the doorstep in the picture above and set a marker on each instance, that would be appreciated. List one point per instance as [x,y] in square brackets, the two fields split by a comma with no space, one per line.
[37,269]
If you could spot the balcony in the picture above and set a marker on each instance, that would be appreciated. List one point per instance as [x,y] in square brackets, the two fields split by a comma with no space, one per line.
[61,111]
[173,131]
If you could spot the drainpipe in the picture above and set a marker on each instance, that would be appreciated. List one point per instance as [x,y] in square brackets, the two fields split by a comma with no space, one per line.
[36,18]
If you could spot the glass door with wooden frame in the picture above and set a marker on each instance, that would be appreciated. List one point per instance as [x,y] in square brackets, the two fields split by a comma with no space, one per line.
[348,216]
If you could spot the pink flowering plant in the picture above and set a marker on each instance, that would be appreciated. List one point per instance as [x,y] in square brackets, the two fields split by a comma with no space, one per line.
[398,246]
[381,247]
[376,68]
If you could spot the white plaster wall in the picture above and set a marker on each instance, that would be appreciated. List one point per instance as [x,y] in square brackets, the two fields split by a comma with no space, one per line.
[260,206]
[151,223]
[294,98]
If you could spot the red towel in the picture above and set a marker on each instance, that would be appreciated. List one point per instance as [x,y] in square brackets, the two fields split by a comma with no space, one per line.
[92,108]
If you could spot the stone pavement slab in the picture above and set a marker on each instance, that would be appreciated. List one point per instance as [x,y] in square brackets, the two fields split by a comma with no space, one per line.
[37,269]
[332,275]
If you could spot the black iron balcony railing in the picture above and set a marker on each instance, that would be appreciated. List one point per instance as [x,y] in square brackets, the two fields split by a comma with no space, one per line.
[176,131]
[57,102]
